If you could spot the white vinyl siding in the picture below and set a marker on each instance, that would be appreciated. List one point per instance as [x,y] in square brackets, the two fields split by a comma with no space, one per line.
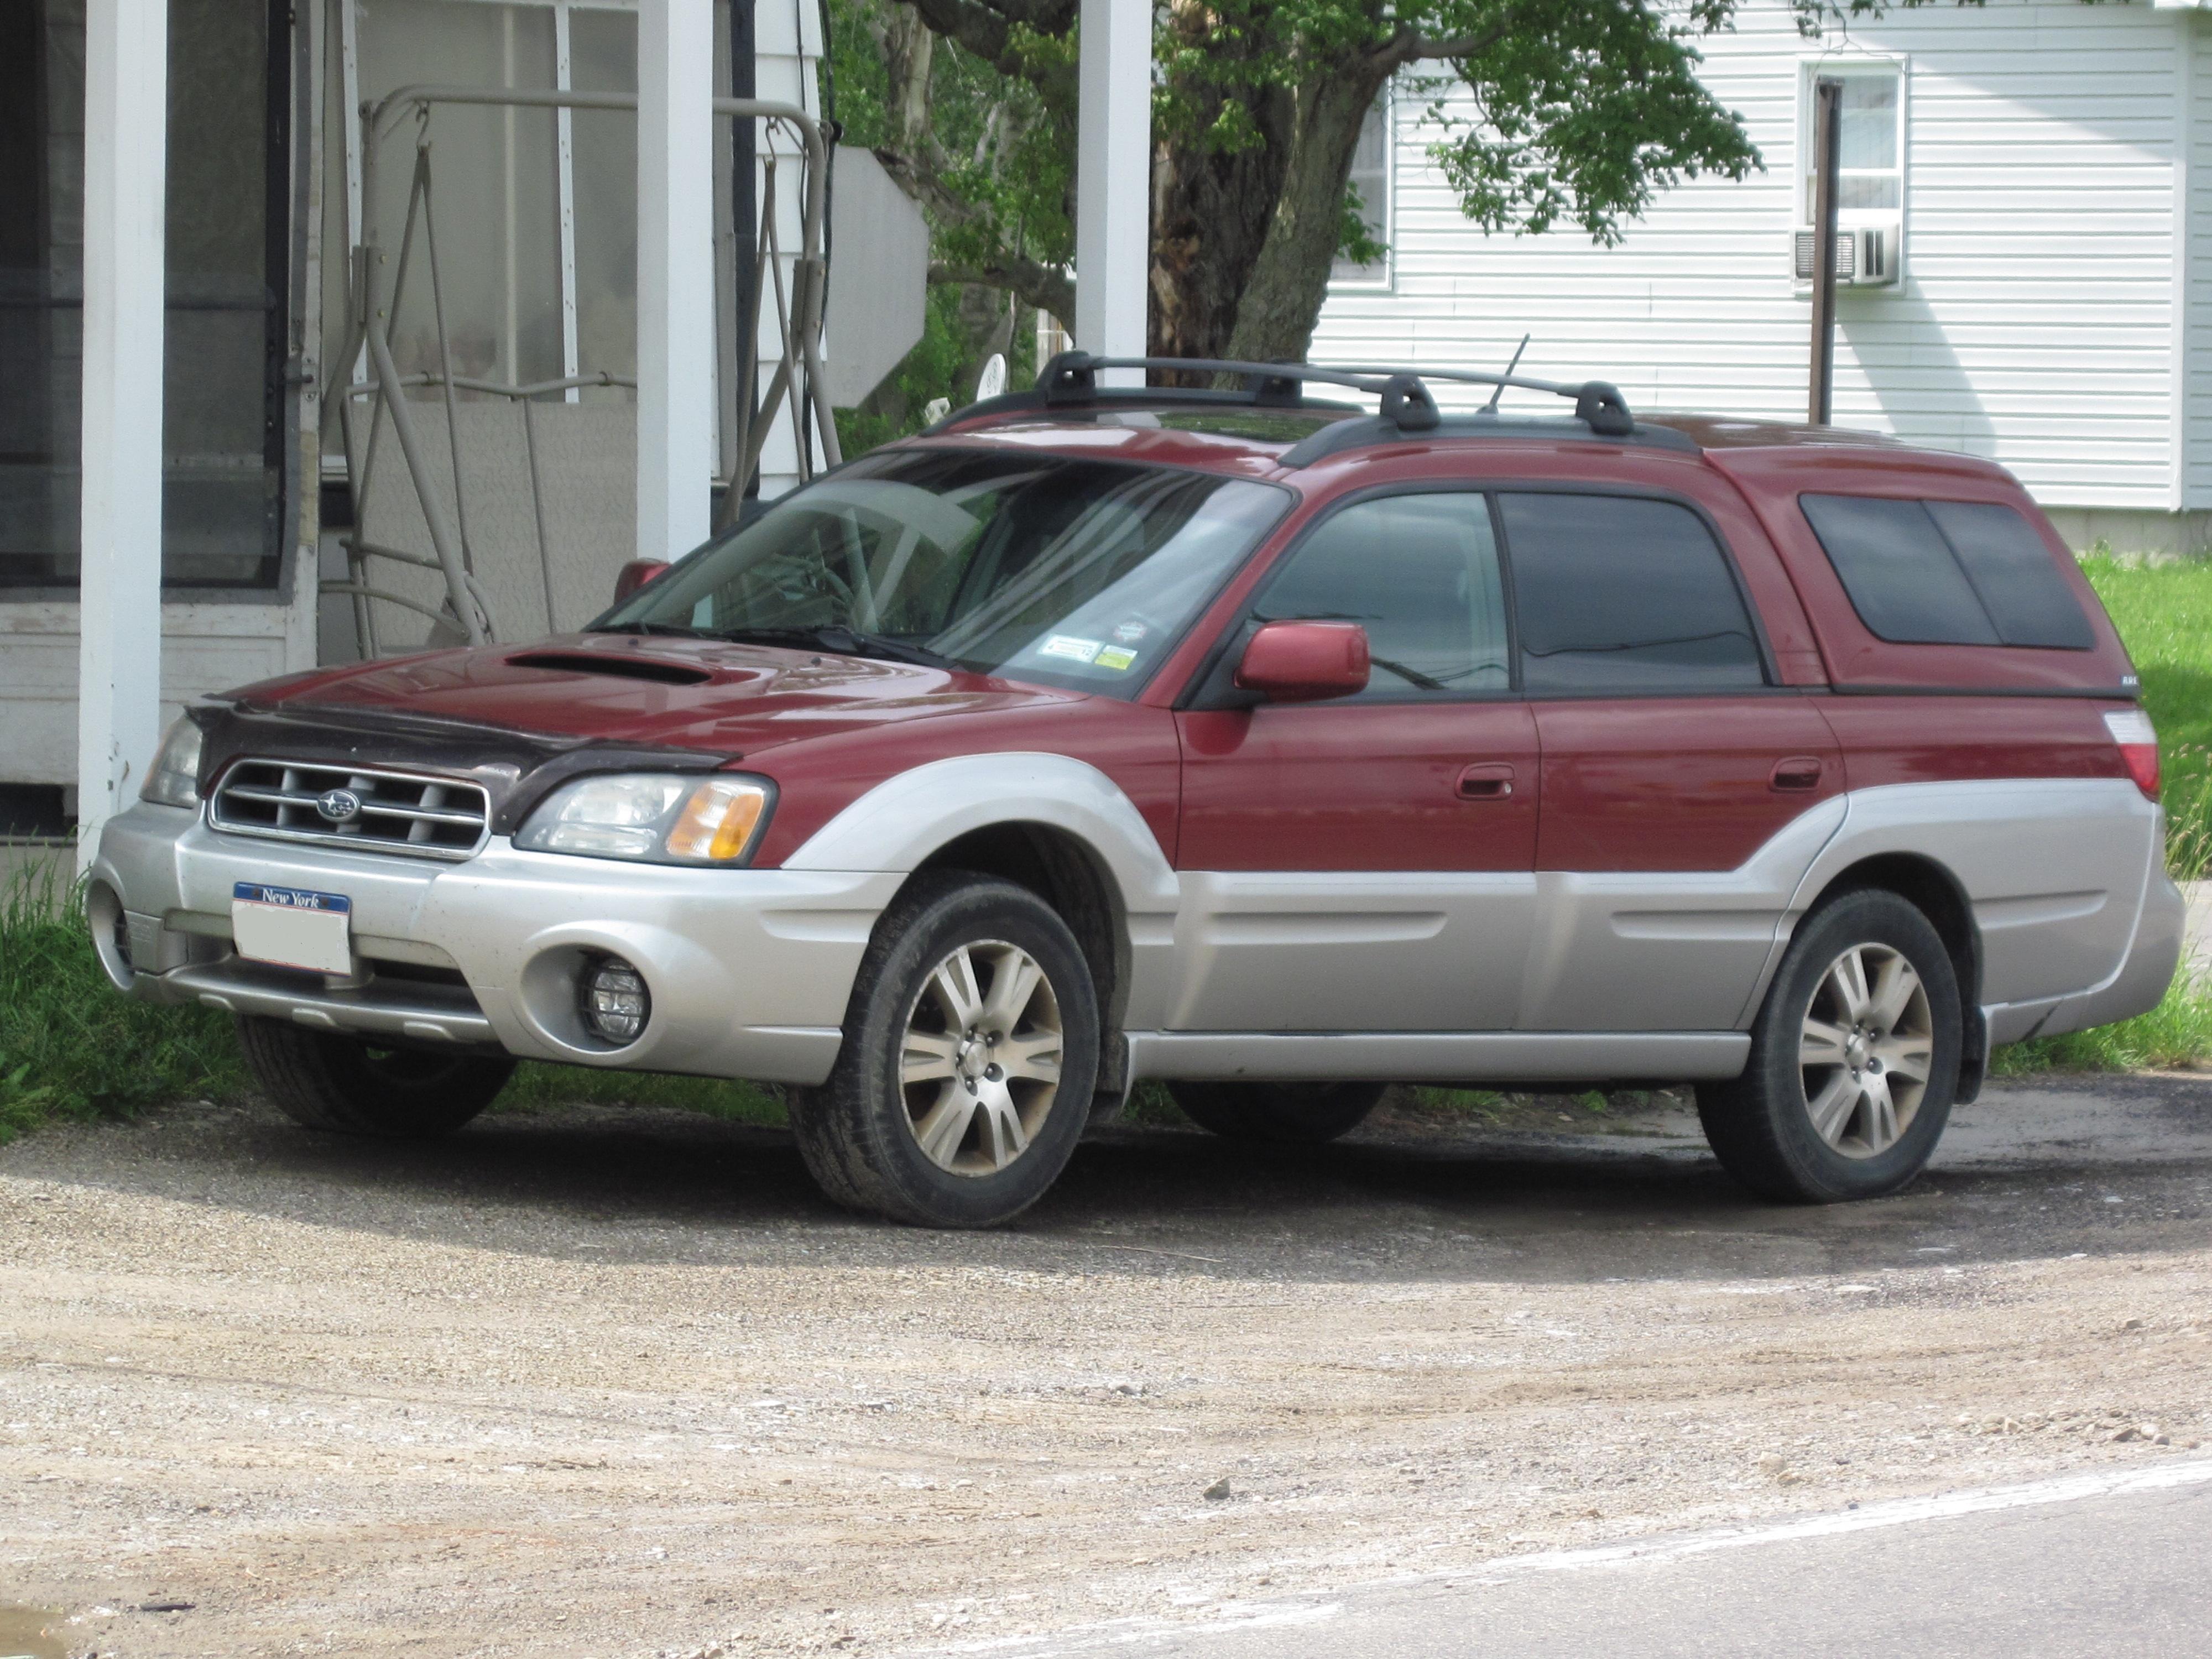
[2195,364]
[2035,323]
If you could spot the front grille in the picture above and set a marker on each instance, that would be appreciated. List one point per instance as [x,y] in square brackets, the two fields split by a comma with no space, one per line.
[397,811]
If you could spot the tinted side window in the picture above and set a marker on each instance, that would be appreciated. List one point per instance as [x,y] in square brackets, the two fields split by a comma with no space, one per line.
[2012,575]
[1615,593]
[1420,572]
[1947,573]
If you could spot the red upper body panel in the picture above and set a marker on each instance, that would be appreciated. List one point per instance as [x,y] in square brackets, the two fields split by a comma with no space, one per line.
[1771,479]
[1626,783]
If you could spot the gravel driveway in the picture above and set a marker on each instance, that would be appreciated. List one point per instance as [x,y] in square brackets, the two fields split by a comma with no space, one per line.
[596,1382]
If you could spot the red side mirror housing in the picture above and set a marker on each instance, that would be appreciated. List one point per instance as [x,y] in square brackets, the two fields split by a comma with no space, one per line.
[1304,661]
[635,575]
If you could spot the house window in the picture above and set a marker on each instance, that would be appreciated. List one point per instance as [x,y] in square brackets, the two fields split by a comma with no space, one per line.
[1870,168]
[1368,195]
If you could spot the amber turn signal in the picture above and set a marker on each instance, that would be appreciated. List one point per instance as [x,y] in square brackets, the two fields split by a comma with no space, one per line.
[717,823]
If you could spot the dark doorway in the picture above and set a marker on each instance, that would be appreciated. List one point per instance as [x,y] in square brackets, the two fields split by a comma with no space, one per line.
[223,396]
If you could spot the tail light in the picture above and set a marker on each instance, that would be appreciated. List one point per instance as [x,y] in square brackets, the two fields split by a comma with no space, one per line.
[2138,741]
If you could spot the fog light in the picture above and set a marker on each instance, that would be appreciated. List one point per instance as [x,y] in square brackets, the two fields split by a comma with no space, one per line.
[614,1001]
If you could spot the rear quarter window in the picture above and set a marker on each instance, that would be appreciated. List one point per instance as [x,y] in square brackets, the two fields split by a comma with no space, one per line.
[1947,573]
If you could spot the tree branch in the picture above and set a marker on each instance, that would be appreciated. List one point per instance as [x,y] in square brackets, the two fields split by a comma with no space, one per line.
[1041,286]
[1408,47]
[986,27]
[1045,287]
[917,175]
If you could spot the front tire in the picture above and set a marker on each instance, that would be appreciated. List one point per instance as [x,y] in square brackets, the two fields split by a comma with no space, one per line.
[1854,1059]
[1280,1113]
[342,1086]
[970,1057]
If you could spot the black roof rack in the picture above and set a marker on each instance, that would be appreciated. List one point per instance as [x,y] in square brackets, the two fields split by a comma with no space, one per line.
[1072,378]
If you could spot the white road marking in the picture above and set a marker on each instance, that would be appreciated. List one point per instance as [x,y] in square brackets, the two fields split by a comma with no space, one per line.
[1896,1512]
[1327,1605]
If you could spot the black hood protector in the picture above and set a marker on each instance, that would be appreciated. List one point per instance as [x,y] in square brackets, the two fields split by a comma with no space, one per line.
[517,768]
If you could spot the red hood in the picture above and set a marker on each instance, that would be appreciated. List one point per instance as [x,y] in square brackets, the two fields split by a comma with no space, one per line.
[701,693]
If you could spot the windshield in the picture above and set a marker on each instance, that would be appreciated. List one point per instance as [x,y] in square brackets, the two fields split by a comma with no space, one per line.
[1076,572]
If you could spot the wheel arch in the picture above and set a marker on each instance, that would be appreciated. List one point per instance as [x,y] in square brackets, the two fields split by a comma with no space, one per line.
[1937,894]
[1049,822]
[1068,874]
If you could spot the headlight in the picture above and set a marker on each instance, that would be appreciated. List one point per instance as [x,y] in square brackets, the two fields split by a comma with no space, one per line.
[660,820]
[174,780]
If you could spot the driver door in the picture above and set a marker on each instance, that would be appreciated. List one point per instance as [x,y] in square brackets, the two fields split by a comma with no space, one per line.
[1365,863]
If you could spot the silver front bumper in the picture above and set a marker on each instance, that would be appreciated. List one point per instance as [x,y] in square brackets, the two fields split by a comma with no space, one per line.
[750,970]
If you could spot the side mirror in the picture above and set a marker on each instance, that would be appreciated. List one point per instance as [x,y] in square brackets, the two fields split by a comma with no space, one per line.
[1304,661]
[635,575]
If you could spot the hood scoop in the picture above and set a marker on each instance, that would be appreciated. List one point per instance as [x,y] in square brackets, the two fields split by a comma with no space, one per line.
[658,671]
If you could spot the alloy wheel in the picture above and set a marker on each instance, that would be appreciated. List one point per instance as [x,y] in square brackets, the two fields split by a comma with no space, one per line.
[1866,1049]
[979,1065]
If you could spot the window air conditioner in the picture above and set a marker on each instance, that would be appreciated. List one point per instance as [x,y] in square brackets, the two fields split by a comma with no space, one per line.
[1866,256]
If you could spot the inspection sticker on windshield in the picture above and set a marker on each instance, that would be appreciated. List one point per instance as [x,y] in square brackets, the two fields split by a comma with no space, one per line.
[291,927]
[1116,657]
[1066,645]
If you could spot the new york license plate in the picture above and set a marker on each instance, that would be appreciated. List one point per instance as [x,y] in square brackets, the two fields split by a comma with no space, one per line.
[292,927]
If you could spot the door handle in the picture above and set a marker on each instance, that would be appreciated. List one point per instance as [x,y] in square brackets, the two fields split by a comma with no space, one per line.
[1485,781]
[1797,774]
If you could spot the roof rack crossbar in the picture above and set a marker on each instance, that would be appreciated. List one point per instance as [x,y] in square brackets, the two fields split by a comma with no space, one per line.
[1072,378]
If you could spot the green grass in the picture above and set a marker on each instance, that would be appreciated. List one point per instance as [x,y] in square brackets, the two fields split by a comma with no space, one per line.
[2177,1032]
[2164,612]
[535,1085]
[70,1045]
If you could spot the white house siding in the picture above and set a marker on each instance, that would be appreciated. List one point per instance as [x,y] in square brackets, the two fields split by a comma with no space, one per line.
[2037,321]
[2196,471]
[207,646]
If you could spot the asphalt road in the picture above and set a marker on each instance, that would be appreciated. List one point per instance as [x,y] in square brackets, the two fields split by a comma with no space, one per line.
[2073,1568]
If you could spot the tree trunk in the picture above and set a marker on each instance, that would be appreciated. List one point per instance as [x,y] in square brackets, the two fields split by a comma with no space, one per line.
[986,329]
[909,48]
[1289,279]
[1210,217]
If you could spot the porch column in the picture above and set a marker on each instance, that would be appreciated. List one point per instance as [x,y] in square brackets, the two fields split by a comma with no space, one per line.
[1113,180]
[126,118]
[674,274]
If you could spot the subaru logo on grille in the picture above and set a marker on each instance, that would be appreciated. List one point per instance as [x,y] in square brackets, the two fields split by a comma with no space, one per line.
[338,806]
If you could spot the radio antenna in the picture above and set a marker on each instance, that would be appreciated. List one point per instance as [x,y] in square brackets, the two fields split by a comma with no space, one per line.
[1491,408]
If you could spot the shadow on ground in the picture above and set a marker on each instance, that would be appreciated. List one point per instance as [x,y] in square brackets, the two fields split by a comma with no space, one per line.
[2089,1165]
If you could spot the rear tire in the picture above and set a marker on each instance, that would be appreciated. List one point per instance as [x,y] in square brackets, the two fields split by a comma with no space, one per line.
[342,1086]
[970,1054]
[1280,1113]
[1854,1059]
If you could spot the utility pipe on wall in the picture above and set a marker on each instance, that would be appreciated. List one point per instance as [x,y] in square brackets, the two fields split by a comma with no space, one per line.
[126,115]
[1827,152]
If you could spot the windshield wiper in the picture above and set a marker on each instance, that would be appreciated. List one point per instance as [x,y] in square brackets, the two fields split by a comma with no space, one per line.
[679,630]
[839,640]
[833,637]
